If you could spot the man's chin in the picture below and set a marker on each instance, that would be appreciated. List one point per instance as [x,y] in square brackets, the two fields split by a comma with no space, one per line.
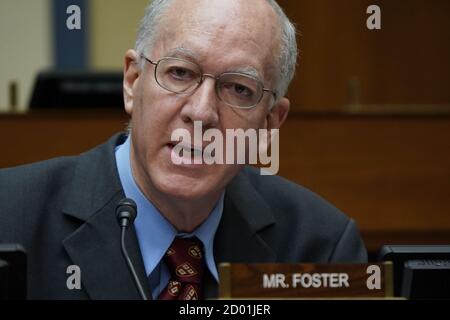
[187,187]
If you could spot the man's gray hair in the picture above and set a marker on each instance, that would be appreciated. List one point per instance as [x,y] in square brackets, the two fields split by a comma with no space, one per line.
[287,60]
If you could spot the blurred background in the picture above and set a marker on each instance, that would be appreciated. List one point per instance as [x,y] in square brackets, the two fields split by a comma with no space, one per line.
[369,128]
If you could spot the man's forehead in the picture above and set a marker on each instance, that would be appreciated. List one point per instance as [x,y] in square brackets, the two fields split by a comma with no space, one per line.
[199,27]
[248,15]
[223,6]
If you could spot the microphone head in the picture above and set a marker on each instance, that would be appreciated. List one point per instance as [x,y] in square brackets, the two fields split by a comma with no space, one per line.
[126,211]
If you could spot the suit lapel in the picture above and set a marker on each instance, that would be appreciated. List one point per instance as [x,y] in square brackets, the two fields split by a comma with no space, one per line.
[95,245]
[240,236]
[246,215]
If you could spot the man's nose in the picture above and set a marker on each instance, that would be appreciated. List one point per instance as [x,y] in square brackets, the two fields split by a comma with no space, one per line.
[203,104]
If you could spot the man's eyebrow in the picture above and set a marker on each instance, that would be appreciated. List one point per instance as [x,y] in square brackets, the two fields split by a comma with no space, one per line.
[250,71]
[182,52]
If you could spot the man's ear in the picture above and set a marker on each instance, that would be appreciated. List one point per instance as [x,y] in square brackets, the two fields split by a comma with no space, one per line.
[130,75]
[278,114]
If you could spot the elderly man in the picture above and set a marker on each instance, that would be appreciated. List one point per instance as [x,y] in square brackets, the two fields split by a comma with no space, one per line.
[224,64]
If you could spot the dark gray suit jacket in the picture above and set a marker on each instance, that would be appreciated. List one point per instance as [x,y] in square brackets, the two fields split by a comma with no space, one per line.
[63,212]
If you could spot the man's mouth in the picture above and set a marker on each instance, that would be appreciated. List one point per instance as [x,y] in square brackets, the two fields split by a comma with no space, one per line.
[186,149]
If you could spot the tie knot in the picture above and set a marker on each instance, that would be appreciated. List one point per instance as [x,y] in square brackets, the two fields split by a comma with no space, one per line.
[184,258]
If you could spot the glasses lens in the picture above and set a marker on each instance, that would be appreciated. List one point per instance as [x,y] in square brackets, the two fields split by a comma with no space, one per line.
[177,75]
[239,90]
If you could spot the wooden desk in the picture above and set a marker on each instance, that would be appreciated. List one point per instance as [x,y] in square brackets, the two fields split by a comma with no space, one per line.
[390,173]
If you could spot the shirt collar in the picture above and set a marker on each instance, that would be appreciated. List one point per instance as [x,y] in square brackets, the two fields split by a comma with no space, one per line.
[155,233]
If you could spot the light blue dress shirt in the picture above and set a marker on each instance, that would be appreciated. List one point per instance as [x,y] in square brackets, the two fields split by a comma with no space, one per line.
[155,234]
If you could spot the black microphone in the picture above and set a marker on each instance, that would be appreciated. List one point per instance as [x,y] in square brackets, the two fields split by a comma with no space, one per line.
[126,212]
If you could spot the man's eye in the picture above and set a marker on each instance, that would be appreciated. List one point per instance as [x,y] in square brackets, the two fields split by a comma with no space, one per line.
[239,89]
[181,73]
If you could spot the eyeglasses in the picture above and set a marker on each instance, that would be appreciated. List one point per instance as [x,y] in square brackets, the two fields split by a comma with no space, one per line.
[183,77]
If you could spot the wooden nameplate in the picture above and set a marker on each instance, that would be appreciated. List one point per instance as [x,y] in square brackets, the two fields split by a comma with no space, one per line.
[305,280]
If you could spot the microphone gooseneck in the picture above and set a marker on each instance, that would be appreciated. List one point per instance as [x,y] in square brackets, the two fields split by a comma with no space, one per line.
[126,212]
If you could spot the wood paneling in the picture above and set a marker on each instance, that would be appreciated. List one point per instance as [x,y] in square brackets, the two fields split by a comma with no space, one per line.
[391,174]
[383,171]
[42,135]
[342,62]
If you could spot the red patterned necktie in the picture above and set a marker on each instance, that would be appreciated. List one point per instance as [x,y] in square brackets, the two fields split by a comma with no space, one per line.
[186,264]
